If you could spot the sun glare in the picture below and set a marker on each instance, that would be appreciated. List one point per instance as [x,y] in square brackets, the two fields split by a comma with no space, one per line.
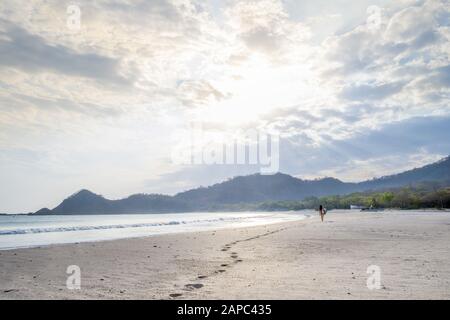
[259,88]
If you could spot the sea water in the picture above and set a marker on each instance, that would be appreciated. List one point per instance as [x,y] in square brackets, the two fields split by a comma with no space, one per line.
[21,231]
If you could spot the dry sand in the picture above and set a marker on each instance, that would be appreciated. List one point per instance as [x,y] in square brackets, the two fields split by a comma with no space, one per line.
[302,260]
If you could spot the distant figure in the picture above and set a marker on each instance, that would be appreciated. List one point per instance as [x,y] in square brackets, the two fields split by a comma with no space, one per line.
[322,212]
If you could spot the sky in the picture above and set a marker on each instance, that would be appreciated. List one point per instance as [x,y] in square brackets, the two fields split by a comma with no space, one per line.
[99,94]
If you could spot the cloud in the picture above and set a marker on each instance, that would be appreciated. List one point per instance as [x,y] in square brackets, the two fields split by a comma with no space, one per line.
[397,71]
[31,53]
[198,92]
[109,97]
[162,8]
[371,92]
[408,36]
[264,26]
[401,140]
[54,105]
[390,149]
[408,24]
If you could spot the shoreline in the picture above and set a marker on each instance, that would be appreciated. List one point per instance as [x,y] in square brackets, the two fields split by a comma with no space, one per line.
[305,259]
[146,236]
[95,229]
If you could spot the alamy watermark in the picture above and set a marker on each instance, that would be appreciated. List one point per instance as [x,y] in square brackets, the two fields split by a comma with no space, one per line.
[73,21]
[73,281]
[373,21]
[374,280]
[249,147]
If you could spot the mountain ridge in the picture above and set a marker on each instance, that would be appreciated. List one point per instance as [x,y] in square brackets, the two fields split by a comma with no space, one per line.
[252,188]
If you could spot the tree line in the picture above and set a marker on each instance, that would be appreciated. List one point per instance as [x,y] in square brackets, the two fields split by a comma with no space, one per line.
[425,195]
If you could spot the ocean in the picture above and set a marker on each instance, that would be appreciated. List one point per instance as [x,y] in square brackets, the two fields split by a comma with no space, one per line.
[22,231]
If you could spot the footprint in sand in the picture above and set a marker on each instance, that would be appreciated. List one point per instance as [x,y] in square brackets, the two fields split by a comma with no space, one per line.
[191,286]
[9,290]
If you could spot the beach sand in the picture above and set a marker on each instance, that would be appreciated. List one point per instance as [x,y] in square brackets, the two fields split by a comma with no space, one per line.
[297,260]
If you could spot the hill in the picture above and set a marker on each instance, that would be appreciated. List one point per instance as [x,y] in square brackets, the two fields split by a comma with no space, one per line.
[249,189]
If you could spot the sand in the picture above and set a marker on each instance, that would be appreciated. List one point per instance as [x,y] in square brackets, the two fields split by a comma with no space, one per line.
[301,260]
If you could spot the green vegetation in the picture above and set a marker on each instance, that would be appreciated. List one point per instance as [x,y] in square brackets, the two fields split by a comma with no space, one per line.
[426,195]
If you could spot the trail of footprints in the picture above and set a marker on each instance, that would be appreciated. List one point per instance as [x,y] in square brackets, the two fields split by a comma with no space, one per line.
[233,255]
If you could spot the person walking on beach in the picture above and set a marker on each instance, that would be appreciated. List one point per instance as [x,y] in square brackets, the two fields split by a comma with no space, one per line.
[321,212]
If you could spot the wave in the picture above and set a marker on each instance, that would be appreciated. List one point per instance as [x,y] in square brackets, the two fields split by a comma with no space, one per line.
[117,226]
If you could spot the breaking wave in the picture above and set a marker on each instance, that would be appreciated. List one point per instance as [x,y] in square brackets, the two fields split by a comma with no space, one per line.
[117,226]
